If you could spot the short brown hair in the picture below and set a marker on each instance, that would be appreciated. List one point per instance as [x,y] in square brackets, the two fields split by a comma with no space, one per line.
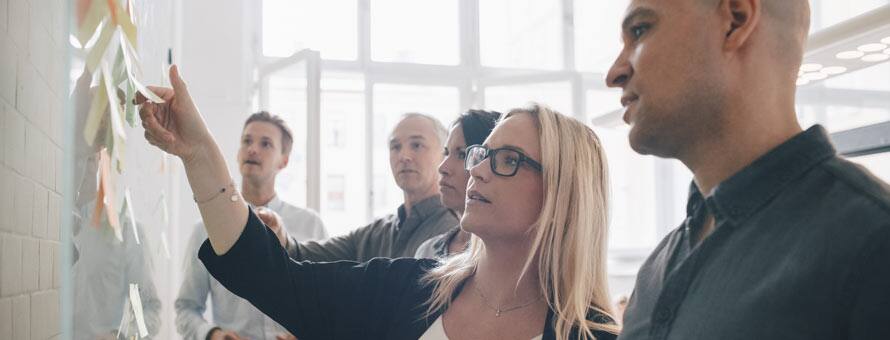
[287,136]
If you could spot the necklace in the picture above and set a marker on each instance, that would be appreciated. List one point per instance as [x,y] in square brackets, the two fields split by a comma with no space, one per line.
[497,309]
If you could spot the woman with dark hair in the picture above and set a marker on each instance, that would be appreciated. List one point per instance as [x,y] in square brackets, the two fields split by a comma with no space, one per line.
[471,128]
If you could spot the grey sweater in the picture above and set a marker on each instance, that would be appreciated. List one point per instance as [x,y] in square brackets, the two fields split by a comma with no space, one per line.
[391,236]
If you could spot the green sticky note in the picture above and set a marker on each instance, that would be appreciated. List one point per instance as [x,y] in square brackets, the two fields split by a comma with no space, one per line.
[129,107]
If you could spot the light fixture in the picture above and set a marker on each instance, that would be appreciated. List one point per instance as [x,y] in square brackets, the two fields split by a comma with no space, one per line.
[847,55]
[849,46]
[812,67]
[814,76]
[873,58]
[875,47]
[833,70]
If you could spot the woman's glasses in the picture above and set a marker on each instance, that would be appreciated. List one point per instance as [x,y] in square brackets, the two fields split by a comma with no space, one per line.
[504,161]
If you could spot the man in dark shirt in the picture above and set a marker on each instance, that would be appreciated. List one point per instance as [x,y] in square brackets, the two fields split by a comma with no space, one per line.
[783,239]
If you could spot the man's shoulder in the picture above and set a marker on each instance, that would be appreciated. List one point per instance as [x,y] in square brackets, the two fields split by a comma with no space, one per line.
[859,181]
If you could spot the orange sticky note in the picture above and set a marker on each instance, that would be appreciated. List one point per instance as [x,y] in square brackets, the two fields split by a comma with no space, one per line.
[105,196]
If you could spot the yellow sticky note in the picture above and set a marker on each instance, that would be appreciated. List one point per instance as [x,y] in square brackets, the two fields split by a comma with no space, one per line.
[125,22]
[136,303]
[130,61]
[108,193]
[165,245]
[95,116]
[91,20]
[117,125]
[128,202]
[98,50]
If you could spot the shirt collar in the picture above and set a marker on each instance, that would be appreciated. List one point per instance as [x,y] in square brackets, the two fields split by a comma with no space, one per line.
[425,208]
[748,190]
[274,204]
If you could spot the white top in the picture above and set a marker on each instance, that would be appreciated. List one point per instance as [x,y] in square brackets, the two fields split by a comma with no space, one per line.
[231,312]
[437,332]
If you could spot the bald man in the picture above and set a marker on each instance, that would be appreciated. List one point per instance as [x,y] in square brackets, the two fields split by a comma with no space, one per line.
[783,239]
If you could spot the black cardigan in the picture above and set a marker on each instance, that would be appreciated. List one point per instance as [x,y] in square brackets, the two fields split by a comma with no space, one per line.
[378,299]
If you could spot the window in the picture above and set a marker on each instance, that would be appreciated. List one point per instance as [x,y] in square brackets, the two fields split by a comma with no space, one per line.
[632,178]
[601,102]
[344,187]
[521,33]
[292,25]
[557,95]
[597,34]
[428,35]
[288,98]
[831,12]
[849,101]
[878,164]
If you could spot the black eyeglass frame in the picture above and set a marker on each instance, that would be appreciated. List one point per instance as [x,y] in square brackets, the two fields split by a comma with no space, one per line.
[491,154]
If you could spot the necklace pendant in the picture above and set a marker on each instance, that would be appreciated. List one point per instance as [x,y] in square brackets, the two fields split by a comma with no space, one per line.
[498,313]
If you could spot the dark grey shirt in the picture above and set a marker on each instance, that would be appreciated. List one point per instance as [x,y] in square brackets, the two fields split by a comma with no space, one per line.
[390,236]
[801,250]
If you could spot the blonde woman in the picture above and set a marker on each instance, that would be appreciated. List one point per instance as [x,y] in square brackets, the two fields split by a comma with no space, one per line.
[536,206]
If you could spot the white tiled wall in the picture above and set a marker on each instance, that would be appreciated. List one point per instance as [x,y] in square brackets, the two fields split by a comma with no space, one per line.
[31,97]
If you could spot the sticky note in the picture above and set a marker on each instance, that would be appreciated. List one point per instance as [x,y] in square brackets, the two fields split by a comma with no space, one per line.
[94,15]
[136,303]
[98,50]
[165,246]
[117,125]
[105,196]
[128,203]
[96,114]
[130,60]
[129,107]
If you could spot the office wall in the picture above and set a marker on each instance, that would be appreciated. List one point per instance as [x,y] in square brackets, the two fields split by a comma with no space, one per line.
[32,93]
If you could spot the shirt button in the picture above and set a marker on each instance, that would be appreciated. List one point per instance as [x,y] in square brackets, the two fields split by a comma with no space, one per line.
[663,315]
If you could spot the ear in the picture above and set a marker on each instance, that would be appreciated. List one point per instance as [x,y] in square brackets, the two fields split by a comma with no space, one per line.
[741,18]
[284,162]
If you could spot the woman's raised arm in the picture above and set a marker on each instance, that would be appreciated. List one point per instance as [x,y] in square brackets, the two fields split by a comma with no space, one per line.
[177,127]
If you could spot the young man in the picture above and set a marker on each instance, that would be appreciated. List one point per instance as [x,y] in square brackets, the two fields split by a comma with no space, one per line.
[415,151]
[266,143]
[784,239]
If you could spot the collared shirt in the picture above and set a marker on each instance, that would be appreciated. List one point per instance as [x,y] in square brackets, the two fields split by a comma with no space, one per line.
[104,267]
[391,236]
[231,312]
[437,247]
[800,250]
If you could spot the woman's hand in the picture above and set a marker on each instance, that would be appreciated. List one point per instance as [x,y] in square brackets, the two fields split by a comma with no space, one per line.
[174,126]
[273,221]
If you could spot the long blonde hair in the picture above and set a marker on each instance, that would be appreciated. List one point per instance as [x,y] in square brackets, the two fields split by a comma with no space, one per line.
[571,234]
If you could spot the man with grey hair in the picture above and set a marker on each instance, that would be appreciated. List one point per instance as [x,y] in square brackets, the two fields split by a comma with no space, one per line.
[783,238]
[415,151]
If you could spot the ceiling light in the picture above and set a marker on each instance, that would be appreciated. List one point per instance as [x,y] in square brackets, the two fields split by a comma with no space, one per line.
[887,51]
[810,67]
[873,58]
[846,55]
[802,82]
[814,76]
[833,70]
[872,47]
[886,40]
